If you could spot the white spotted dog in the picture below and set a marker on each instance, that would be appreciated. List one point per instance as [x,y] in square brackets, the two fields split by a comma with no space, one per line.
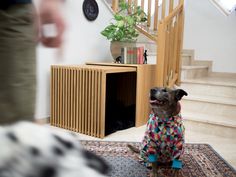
[30,150]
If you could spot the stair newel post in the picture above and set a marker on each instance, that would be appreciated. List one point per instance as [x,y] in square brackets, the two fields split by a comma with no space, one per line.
[160,67]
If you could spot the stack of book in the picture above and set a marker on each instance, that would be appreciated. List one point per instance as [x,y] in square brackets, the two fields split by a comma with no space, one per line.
[132,55]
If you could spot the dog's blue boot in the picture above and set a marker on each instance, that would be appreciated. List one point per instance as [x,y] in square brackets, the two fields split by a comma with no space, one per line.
[177,164]
[152,158]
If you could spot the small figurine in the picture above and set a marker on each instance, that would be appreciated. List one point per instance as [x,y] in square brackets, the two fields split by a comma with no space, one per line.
[145,57]
[118,59]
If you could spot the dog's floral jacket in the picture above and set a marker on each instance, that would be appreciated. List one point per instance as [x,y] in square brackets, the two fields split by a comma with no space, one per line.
[164,139]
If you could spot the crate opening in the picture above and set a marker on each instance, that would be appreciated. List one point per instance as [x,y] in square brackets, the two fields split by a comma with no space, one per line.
[120,101]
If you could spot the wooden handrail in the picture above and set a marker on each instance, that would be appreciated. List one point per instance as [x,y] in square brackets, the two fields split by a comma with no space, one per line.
[173,13]
[147,34]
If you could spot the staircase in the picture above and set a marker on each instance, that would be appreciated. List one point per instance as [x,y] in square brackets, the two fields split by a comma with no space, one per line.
[210,107]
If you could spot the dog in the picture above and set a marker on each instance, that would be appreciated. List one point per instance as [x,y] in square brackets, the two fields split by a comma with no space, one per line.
[164,136]
[31,150]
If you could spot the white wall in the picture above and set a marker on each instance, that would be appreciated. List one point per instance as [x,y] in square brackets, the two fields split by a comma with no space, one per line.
[207,31]
[83,43]
[211,34]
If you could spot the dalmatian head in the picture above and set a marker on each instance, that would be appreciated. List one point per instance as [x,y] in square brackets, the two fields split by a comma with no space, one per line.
[30,150]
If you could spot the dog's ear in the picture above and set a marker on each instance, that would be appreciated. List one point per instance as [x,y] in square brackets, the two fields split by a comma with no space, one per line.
[179,93]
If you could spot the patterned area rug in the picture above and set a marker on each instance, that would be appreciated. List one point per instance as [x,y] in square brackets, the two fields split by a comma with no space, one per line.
[200,160]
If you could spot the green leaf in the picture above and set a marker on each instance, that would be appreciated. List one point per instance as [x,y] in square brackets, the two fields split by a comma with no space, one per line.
[130,20]
[104,33]
[120,24]
[123,5]
[118,17]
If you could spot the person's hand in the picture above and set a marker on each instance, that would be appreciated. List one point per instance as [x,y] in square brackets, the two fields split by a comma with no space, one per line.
[49,13]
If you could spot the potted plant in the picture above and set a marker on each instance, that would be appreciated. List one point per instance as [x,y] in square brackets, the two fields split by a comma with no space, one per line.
[122,31]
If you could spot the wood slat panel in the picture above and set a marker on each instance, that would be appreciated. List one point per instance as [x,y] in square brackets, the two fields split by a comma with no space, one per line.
[77,83]
[89,103]
[99,104]
[52,98]
[78,99]
[57,94]
[92,103]
[66,100]
[96,94]
[61,99]
[80,112]
[86,102]
[71,99]
[103,102]
[75,97]
[82,101]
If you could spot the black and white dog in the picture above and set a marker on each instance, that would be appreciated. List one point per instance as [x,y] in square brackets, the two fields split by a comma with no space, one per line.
[31,150]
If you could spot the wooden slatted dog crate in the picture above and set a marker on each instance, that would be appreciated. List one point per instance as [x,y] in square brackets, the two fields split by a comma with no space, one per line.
[89,98]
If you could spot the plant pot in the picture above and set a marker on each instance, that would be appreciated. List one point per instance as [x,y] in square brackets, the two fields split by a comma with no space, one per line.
[116,46]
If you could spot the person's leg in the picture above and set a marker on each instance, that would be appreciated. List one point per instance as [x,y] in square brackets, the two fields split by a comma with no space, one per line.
[17,64]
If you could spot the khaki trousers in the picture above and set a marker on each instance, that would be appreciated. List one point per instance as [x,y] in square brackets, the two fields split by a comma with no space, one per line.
[17,64]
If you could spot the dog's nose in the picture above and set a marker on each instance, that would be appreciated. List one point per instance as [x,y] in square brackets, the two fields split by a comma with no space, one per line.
[153,91]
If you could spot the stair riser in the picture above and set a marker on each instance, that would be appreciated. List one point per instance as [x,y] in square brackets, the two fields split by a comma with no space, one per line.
[194,73]
[210,129]
[209,90]
[209,108]
[186,60]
